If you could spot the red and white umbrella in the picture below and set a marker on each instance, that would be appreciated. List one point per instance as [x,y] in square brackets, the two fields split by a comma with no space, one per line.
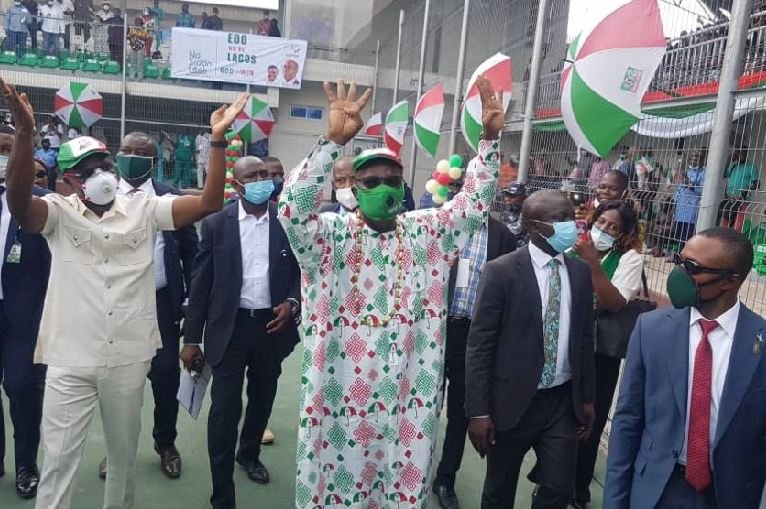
[255,122]
[78,105]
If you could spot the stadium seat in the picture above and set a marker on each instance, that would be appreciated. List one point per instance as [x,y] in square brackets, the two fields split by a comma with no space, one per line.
[151,71]
[91,65]
[29,60]
[8,57]
[70,64]
[111,67]
[166,74]
[49,62]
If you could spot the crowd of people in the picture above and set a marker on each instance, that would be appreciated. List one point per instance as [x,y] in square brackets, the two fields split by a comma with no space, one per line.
[99,29]
[524,320]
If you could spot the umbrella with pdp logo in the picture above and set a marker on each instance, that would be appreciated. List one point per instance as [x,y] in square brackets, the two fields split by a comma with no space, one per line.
[78,105]
[255,122]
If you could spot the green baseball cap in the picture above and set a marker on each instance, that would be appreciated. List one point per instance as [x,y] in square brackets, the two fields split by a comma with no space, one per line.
[374,154]
[74,151]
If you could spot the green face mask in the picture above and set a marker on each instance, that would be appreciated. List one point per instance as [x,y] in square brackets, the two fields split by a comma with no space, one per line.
[133,167]
[684,291]
[381,203]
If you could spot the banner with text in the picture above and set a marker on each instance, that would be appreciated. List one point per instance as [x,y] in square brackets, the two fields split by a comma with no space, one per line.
[239,58]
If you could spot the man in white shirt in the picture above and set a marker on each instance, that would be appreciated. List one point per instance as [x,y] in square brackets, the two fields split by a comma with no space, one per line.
[174,254]
[244,302]
[691,416]
[53,131]
[531,344]
[201,143]
[67,10]
[51,15]
[99,328]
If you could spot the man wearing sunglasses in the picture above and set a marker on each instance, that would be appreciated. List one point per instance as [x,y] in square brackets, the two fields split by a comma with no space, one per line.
[691,416]
[99,329]
[174,254]
[374,309]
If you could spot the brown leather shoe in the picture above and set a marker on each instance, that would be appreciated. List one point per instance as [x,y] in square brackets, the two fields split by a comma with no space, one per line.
[170,461]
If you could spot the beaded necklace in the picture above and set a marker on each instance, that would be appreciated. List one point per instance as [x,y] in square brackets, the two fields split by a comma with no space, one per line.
[397,287]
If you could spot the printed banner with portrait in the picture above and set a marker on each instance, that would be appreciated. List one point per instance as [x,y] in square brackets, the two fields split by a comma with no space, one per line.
[232,57]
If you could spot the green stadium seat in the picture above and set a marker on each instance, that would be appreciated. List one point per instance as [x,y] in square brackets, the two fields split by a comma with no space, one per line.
[49,62]
[64,54]
[70,64]
[111,67]
[29,60]
[7,57]
[91,65]
[40,53]
[166,74]
[151,71]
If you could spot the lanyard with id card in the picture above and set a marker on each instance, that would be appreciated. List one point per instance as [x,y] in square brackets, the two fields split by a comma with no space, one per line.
[14,254]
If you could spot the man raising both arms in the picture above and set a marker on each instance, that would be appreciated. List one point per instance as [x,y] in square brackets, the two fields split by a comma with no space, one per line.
[374,310]
[99,327]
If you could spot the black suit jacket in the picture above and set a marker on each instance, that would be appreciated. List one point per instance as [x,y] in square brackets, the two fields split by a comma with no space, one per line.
[217,282]
[504,358]
[180,251]
[500,241]
[26,283]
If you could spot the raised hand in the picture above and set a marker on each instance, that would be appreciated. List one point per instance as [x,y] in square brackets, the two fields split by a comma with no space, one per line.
[21,108]
[492,111]
[222,118]
[345,117]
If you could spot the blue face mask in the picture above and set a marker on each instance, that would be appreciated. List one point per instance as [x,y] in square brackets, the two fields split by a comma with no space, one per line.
[564,235]
[258,192]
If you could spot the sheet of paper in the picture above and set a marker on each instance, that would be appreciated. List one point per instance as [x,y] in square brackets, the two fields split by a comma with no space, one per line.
[191,390]
[463,273]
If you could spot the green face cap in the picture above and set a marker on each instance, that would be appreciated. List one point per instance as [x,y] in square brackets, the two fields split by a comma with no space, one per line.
[74,151]
[375,154]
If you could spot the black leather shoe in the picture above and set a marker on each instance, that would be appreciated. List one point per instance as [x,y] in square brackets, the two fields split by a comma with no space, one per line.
[446,496]
[102,469]
[170,461]
[255,470]
[27,480]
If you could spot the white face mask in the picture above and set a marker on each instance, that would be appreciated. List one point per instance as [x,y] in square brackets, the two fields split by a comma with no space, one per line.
[3,165]
[100,188]
[602,241]
[346,198]
[106,8]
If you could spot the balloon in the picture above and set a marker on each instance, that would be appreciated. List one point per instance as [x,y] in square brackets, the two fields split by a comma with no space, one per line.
[435,174]
[443,179]
[431,186]
[455,173]
[438,199]
[443,191]
[443,166]
[456,161]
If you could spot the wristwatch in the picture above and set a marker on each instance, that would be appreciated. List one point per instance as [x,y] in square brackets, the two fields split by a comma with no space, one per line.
[294,305]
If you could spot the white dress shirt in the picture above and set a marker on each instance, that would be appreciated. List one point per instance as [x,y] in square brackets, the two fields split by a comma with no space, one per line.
[720,340]
[5,223]
[254,245]
[160,276]
[539,261]
[100,309]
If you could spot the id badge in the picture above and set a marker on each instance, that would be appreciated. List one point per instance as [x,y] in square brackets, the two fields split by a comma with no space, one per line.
[14,255]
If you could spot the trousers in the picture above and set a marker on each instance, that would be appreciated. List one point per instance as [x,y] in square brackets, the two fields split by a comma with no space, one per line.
[165,373]
[71,397]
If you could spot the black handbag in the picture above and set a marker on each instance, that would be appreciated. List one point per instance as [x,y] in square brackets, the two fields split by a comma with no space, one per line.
[613,330]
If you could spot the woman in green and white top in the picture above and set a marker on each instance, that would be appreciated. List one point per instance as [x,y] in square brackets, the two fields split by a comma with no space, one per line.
[612,250]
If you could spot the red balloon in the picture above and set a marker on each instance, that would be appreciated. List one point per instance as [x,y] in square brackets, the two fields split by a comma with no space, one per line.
[435,175]
[443,178]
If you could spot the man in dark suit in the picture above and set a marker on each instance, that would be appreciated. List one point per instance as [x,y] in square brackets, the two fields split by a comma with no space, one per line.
[691,416]
[245,296]
[24,280]
[529,362]
[174,258]
[492,240]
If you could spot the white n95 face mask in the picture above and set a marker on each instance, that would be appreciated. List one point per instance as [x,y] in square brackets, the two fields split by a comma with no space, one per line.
[100,188]
[346,198]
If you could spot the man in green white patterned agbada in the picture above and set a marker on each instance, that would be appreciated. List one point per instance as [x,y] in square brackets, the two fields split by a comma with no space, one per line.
[374,311]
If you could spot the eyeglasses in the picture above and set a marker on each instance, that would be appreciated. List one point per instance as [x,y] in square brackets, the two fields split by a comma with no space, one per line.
[373,182]
[693,268]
